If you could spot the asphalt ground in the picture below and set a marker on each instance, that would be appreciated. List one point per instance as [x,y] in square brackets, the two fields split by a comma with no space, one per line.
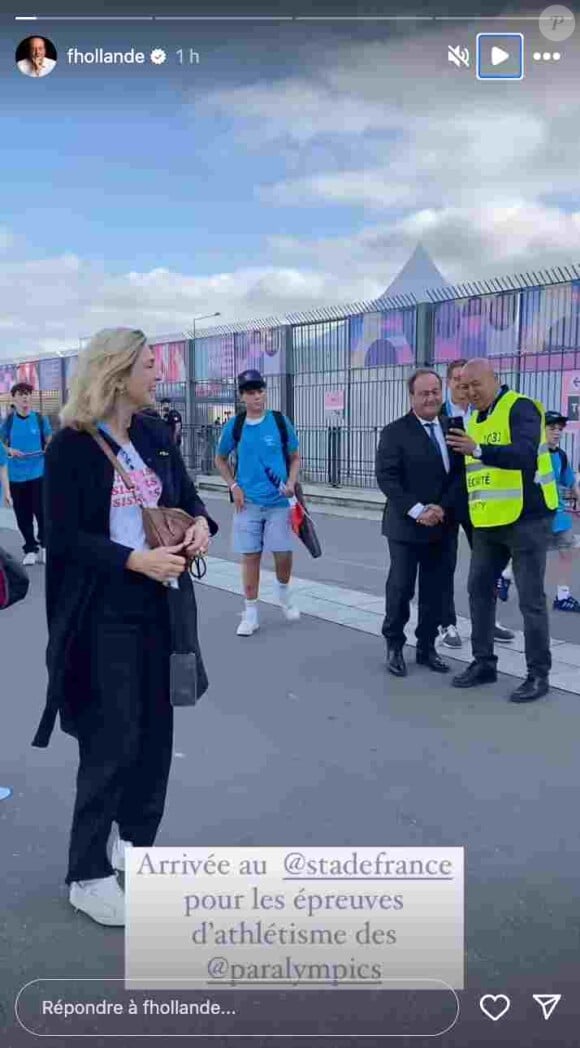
[304,740]
[355,555]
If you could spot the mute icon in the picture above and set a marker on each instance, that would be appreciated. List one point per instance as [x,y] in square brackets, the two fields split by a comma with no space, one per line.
[547,1002]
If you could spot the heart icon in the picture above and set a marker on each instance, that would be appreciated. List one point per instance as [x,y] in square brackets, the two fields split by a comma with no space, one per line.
[495,1007]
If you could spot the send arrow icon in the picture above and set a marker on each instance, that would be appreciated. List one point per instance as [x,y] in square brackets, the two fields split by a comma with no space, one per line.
[547,1002]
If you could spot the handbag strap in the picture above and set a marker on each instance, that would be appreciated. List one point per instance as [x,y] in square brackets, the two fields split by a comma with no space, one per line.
[108,451]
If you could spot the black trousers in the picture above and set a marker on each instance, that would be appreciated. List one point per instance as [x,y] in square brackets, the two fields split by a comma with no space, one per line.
[27,499]
[433,562]
[125,729]
[526,542]
[449,615]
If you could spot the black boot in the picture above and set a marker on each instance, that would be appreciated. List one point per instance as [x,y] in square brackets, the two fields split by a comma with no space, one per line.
[531,689]
[476,673]
[429,657]
[395,662]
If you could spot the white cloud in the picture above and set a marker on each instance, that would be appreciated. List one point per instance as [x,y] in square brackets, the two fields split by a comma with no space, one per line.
[66,301]
[485,175]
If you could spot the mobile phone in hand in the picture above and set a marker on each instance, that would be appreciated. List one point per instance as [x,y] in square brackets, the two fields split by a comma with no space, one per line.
[456,422]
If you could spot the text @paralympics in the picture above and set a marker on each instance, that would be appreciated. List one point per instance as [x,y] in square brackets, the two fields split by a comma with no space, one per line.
[233,916]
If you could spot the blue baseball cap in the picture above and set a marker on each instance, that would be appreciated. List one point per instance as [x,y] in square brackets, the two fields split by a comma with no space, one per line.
[250,379]
[555,418]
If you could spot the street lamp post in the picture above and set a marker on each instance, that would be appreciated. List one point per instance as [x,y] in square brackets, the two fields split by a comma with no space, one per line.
[191,406]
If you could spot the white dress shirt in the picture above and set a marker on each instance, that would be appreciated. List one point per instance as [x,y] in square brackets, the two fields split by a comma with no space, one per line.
[418,508]
[459,412]
[26,67]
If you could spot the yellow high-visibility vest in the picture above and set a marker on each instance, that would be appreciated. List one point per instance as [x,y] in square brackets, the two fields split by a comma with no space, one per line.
[496,496]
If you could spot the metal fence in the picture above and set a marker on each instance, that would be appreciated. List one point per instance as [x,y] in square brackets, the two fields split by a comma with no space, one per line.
[331,455]
[340,373]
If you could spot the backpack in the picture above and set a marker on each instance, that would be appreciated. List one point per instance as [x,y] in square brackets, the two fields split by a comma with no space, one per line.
[7,428]
[14,581]
[237,436]
[563,460]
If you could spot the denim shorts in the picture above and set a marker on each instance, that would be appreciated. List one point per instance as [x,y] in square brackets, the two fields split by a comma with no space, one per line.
[262,529]
[563,540]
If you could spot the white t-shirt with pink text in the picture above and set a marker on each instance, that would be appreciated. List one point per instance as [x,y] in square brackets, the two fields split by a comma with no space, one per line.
[125,521]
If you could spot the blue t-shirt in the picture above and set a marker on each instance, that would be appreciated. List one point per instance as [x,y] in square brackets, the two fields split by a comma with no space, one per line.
[565,479]
[259,449]
[25,436]
[3,461]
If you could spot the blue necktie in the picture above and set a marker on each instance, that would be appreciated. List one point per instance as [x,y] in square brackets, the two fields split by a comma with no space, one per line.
[430,426]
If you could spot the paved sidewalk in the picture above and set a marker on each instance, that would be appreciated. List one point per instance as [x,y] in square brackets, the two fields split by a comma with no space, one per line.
[369,500]
[361,611]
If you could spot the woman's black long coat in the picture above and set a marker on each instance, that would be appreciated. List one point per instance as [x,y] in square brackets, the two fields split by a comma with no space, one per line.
[78,483]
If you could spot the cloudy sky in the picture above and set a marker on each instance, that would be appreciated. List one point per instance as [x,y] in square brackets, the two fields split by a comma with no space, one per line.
[296,166]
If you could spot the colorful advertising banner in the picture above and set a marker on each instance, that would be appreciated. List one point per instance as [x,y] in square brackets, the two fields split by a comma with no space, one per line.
[571,399]
[262,349]
[170,361]
[7,377]
[476,327]
[218,351]
[50,374]
[28,373]
[551,319]
[382,339]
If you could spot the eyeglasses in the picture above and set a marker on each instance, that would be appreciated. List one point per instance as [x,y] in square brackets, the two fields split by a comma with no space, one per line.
[198,568]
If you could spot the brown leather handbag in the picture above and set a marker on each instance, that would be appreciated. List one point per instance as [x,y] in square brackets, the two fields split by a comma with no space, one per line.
[162,526]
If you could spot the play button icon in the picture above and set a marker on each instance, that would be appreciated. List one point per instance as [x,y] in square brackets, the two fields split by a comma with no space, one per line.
[500,56]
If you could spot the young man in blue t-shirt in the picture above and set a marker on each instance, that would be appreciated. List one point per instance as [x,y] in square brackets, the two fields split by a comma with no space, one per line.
[260,490]
[24,442]
[563,539]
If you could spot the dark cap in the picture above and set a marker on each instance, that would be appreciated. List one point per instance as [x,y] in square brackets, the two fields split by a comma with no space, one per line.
[555,418]
[250,380]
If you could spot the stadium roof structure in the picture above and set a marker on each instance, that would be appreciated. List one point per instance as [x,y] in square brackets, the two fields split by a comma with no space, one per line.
[408,299]
[407,290]
[418,273]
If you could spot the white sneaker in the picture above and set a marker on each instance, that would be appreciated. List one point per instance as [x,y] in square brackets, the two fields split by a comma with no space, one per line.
[450,637]
[247,627]
[29,559]
[101,899]
[291,612]
[118,853]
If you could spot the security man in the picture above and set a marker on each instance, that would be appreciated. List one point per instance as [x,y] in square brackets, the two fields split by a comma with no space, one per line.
[512,497]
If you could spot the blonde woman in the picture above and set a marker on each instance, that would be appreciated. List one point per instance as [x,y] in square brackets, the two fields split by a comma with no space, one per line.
[108,618]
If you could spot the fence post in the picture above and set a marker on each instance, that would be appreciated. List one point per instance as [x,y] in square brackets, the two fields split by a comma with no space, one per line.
[286,379]
[63,389]
[190,400]
[334,449]
[425,339]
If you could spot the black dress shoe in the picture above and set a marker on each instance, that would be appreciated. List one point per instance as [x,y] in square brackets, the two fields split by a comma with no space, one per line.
[531,689]
[476,673]
[396,663]
[430,658]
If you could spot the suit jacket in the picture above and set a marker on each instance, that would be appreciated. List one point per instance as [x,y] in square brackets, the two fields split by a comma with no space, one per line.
[80,553]
[410,469]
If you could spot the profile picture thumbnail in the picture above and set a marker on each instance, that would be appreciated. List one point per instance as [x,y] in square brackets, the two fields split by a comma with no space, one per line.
[36,56]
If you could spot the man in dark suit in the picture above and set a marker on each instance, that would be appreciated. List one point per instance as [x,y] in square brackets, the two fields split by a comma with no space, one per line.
[418,476]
